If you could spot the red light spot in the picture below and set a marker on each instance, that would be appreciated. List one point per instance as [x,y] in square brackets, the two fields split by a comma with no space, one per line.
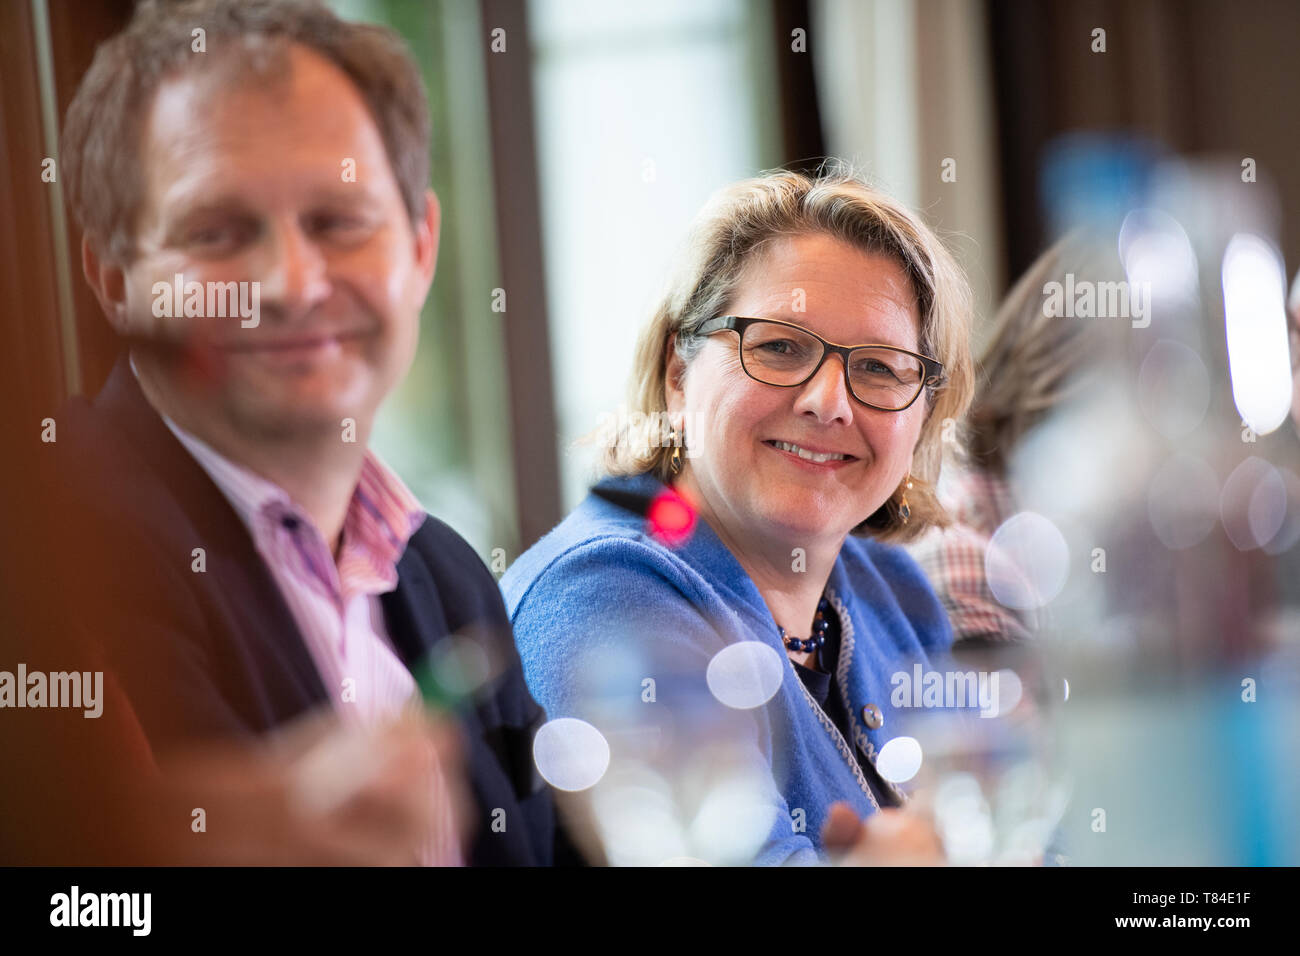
[204,365]
[670,519]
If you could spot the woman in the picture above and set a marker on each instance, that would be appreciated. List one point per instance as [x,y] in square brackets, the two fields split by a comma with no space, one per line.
[799,459]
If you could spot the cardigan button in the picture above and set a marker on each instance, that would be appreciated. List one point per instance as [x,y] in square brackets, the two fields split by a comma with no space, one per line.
[872,717]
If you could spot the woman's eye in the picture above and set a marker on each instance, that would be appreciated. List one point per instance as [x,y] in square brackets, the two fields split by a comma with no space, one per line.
[780,346]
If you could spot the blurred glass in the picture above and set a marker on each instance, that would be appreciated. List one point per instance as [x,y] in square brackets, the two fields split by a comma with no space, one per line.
[1176,627]
[986,730]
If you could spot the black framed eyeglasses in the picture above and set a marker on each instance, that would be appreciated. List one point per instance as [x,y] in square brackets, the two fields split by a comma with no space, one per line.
[780,353]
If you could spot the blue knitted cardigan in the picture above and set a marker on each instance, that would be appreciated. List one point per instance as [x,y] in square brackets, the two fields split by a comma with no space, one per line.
[598,582]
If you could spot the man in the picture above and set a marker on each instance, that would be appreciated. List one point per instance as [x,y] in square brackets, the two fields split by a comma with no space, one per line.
[261,564]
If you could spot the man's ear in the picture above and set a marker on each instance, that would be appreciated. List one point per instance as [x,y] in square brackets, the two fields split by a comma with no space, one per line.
[426,242]
[108,282]
[674,373]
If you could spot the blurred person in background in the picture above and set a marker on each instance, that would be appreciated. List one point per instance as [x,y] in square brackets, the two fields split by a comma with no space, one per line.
[1029,366]
[801,365]
[241,559]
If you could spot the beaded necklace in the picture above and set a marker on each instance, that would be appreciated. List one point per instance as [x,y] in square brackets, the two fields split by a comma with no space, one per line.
[817,639]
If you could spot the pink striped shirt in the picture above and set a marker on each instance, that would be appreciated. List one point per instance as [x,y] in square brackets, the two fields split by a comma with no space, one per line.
[336,604]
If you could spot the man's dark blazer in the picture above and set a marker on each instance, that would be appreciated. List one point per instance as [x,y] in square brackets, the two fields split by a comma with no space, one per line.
[216,653]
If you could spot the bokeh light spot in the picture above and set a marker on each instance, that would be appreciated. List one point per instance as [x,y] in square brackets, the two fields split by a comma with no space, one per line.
[1026,561]
[570,754]
[899,759]
[670,520]
[745,675]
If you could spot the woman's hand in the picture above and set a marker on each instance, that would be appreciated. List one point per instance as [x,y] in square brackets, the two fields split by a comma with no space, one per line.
[887,838]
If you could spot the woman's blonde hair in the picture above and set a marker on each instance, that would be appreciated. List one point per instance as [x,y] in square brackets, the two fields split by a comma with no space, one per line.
[734,226]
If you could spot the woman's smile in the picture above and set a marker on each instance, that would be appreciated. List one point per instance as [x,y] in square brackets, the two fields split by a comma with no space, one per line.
[811,456]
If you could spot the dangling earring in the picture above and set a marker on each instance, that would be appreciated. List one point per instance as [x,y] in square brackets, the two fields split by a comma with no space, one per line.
[904,511]
[678,438]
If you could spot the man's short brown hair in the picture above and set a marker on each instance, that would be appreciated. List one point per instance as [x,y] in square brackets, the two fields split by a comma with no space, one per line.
[104,130]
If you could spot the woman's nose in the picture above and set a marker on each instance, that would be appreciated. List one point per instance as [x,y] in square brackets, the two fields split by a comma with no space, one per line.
[826,394]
